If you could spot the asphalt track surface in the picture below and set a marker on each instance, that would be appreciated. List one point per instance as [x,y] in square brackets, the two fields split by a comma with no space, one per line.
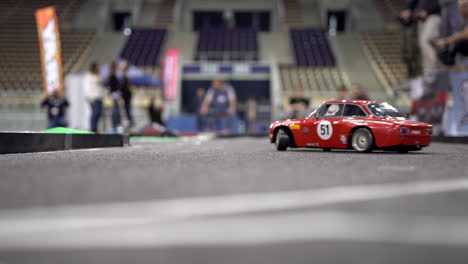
[234,201]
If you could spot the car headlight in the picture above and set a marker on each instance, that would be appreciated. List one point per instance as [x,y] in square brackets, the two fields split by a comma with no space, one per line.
[404,131]
[429,131]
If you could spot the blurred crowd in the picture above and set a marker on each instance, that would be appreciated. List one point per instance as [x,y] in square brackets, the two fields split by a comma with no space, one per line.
[94,87]
[216,107]
[433,31]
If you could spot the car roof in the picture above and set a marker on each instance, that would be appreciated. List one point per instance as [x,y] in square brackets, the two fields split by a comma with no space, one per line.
[360,102]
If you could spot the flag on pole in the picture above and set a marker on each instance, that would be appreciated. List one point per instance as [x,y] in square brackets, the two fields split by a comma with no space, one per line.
[50,51]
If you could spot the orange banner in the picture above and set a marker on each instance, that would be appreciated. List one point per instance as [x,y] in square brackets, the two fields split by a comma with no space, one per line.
[49,44]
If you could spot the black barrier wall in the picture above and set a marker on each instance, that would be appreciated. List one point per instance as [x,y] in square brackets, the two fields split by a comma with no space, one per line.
[11,142]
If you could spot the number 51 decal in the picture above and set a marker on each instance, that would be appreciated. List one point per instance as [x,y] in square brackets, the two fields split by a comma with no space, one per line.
[324,129]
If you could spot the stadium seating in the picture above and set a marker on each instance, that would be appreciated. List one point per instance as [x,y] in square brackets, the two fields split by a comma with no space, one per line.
[20,68]
[315,70]
[220,44]
[384,52]
[293,13]
[165,16]
[311,48]
[143,47]
[389,9]
[316,82]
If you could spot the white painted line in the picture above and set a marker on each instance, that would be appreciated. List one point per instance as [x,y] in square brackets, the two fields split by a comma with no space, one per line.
[246,203]
[397,168]
[252,230]
[30,221]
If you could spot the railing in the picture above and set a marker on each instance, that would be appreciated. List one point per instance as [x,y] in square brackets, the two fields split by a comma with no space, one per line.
[177,11]
[281,14]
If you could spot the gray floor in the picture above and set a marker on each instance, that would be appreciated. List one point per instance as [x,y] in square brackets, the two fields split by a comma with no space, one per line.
[234,201]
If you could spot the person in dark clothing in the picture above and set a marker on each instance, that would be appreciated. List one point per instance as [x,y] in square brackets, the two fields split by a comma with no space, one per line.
[358,93]
[197,103]
[297,105]
[155,110]
[157,126]
[116,94]
[127,94]
[299,100]
[56,106]
[410,51]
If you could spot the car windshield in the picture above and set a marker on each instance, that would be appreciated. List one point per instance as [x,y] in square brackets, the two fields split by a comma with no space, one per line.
[384,110]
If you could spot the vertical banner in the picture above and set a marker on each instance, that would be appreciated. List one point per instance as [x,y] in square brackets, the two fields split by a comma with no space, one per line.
[170,73]
[49,44]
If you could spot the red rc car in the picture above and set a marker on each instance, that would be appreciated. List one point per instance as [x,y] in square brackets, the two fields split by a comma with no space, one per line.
[361,125]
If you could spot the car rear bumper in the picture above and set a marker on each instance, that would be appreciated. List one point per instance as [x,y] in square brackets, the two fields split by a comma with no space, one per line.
[421,141]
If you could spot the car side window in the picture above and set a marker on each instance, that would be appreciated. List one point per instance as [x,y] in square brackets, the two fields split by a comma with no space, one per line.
[331,110]
[353,110]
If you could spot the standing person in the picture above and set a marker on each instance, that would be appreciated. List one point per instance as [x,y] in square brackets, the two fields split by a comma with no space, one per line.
[116,94]
[56,106]
[410,51]
[297,105]
[427,12]
[219,106]
[127,94]
[94,91]
[358,93]
[457,43]
[196,108]
[342,93]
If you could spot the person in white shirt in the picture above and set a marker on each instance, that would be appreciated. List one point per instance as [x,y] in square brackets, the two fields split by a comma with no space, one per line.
[94,91]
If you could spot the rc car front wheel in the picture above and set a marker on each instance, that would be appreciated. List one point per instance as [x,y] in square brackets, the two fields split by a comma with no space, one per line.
[362,140]
[281,140]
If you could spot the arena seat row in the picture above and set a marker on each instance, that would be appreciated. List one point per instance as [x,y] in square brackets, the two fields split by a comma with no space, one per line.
[143,47]
[316,82]
[311,48]
[384,53]
[221,44]
[389,9]
[165,16]
[293,13]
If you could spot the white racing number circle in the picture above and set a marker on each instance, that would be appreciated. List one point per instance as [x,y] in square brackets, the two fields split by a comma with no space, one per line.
[325,130]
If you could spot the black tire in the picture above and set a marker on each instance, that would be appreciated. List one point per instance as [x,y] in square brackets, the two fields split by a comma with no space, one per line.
[362,140]
[403,151]
[326,149]
[282,139]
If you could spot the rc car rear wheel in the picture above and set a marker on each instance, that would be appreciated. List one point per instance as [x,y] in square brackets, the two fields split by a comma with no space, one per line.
[326,149]
[282,139]
[362,140]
